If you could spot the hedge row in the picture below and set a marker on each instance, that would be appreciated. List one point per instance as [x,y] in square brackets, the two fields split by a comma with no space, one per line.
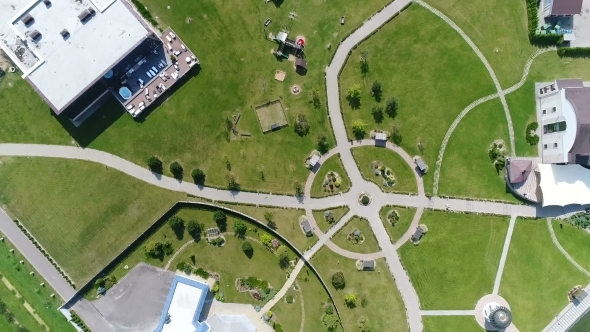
[532,8]
[144,12]
[44,252]
[574,52]
[79,322]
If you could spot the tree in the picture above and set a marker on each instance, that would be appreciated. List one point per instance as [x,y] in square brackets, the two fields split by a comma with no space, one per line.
[338,280]
[266,240]
[283,254]
[301,125]
[376,90]
[396,134]
[364,62]
[298,189]
[269,220]
[350,300]
[220,219]
[248,249]
[314,95]
[154,249]
[391,107]
[323,145]
[358,129]
[177,225]
[176,170]
[198,176]
[232,183]
[240,228]
[377,113]
[155,164]
[194,228]
[331,322]
[354,96]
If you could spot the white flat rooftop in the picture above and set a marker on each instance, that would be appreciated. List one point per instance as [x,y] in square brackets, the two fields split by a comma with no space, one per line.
[564,184]
[66,66]
[182,308]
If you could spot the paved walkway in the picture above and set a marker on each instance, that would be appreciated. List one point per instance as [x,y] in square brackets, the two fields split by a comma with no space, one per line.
[35,257]
[565,253]
[447,312]
[504,254]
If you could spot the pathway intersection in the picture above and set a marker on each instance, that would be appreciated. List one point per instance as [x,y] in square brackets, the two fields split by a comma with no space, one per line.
[358,185]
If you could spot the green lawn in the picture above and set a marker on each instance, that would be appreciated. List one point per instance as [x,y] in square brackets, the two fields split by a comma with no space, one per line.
[232,264]
[450,324]
[537,276]
[28,286]
[406,214]
[383,305]
[324,226]
[455,263]
[333,164]
[405,181]
[81,212]
[574,240]
[433,78]
[368,246]
[237,75]
[466,168]
[314,297]
[286,220]
[498,29]
[290,315]
[546,67]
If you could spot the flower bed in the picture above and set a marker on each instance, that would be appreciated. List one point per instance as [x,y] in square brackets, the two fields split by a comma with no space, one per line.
[381,170]
[332,182]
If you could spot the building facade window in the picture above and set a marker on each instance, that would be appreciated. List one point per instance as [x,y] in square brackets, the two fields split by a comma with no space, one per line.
[554,127]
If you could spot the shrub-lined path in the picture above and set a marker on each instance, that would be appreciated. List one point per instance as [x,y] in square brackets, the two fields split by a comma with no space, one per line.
[343,147]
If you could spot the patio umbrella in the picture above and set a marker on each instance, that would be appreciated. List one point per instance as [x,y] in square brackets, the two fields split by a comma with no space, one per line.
[557,27]
[546,26]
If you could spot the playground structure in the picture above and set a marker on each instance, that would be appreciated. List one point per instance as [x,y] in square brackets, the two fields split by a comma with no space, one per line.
[287,45]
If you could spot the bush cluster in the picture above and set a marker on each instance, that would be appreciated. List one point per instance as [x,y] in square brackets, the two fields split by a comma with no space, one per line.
[574,52]
[78,321]
[338,280]
[144,12]
[531,137]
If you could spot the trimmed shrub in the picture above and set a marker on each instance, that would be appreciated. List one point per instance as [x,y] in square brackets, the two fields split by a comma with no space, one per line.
[574,52]
[289,299]
[176,170]
[155,164]
[144,12]
[198,176]
[338,280]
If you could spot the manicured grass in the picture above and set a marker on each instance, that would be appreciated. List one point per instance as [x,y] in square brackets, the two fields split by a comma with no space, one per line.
[29,288]
[237,75]
[498,29]
[26,118]
[546,67]
[232,263]
[433,78]
[467,170]
[289,315]
[405,181]
[455,263]
[574,240]
[324,226]
[82,213]
[370,245]
[450,323]
[286,220]
[406,215]
[15,306]
[333,164]
[537,276]
[314,296]
[384,307]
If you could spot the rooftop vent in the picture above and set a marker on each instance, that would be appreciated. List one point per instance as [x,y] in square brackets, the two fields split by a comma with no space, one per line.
[91,11]
[47,3]
[35,35]
[85,15]
[27,20]
[64,33]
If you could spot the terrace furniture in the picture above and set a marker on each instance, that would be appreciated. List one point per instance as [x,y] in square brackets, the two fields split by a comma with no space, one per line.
[172,35]
[342,19]
[267,22]
[547,26]
[183,47]
[147,92]
[557,27]
[169,47]
[543,32]
[169,39]
[553,31]
[153,74]
[141,106]
[154,68]
[130,106]
[177,53]
[148,74]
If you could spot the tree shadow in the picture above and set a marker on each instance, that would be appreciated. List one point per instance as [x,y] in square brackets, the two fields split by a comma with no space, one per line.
[355,103]
[179,232]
